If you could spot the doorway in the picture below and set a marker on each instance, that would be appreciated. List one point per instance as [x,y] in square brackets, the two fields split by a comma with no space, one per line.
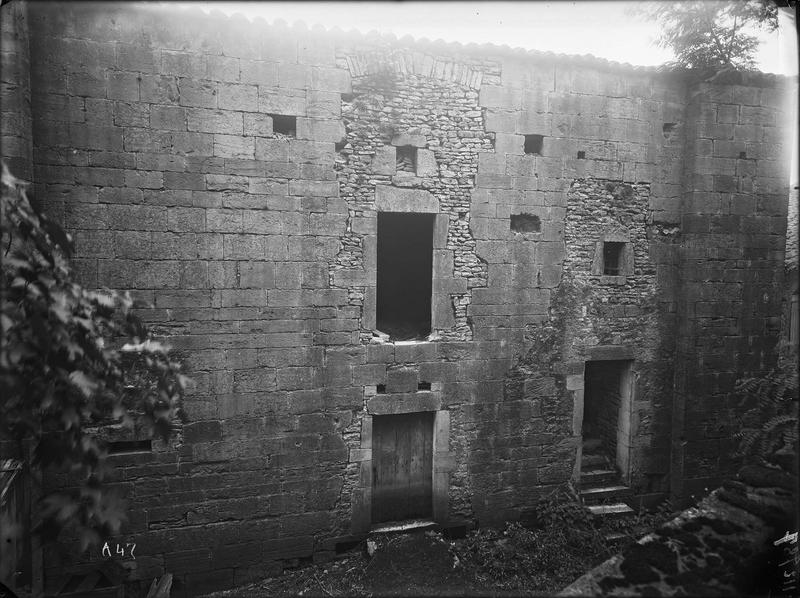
[402,472]
[606,426]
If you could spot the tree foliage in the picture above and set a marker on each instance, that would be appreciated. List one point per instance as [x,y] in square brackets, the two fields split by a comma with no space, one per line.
[72,360]
[712,34]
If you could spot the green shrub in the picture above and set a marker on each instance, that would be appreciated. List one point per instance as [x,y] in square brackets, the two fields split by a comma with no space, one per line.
[72,360]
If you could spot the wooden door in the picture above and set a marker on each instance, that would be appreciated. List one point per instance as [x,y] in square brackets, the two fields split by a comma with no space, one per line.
[402,459]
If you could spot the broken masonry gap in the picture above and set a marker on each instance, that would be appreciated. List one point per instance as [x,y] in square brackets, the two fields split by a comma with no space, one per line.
[525,223]
[424,386]
[405,275]
[380,389]
[743,155]
[667,128]
[406,158]
[119,447]
[284,125]
[612,258]
[339,145]
[534,144]
[581,155]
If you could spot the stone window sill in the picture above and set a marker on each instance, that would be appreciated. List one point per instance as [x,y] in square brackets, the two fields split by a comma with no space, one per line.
[617,280]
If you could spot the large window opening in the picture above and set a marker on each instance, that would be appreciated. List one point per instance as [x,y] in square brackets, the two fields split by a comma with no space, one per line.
[405,272]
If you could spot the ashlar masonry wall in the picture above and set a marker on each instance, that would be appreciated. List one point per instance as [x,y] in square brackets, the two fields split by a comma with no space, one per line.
[159,140]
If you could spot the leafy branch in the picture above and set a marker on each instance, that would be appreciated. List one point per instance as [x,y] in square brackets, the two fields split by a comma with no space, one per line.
[712,34]
[72,360]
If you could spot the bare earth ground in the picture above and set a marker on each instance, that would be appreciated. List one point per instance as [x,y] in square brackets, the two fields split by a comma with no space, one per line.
[417,564]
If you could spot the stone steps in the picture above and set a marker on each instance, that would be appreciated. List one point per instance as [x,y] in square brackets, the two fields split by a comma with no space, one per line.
[592,478]
[601,494]
[612,511]
[593,462]
[602,491]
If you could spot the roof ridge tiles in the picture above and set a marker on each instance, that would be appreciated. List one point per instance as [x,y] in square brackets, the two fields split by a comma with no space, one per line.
[408,40]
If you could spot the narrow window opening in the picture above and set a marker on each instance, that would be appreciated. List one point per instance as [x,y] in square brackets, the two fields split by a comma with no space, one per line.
[743,155]
[612,258]
[405,272]
[534,144]
[424,386]
[120,447]
[407,158]
[284,125]
[380,389]
[525,223]
[581,155]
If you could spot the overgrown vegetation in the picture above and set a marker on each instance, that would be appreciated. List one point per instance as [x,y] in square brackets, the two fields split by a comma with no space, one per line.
[542,557]
[770,422]
[72,359]
[712,34]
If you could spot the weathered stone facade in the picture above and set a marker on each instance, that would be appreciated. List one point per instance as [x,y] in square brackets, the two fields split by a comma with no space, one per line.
[160,140]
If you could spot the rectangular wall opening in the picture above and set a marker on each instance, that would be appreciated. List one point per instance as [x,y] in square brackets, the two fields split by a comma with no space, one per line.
[606,412]
[405,273]
[121,447]
[612,258]
[283,125]
[534,144]
[406,156]
[402,465]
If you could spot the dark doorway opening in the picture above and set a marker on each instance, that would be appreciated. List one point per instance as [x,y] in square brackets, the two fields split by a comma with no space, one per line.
[606,406]
[402,466]
[405,271]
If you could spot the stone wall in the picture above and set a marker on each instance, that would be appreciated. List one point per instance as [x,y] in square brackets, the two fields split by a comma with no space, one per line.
[15,93]
[735,201]
[160,140]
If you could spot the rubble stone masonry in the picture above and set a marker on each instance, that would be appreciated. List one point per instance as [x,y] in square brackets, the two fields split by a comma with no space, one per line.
[161,140]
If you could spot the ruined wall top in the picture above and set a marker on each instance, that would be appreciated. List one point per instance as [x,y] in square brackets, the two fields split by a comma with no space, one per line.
[189,28]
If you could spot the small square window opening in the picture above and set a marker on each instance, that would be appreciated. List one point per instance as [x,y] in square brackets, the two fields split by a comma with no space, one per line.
[284,125]
[406,158]
[612,258]
[534,144]
[525,223]
[581,155]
